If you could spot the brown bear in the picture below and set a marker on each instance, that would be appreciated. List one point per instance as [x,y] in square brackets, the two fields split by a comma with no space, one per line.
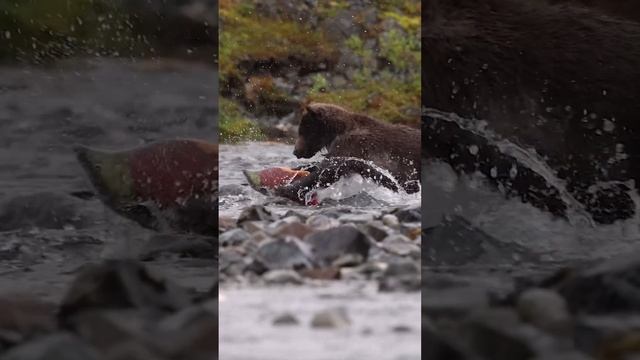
[352,140]
[561,79]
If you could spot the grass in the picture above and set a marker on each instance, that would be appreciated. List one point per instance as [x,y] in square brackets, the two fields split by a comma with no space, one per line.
[38,31]
[389,93]
[389,100]
[244,36]
[235,126]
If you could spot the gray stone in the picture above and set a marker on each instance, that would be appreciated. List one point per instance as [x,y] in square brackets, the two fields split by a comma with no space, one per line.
[234,237]
[329,245]
[546,310]
[286,319]
[321,222]
[331,319]
[281,254]
[255,213]
[281,277]
[390,220]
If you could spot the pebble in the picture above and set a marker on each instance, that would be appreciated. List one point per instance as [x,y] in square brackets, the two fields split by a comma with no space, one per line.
[281,277]
[286,319]
[546,310]
[390,220]
[234,237]
[331,319]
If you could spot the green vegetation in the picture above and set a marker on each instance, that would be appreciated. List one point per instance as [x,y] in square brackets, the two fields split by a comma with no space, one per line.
[234,125]
[245,36]
[390,100]
[381,77]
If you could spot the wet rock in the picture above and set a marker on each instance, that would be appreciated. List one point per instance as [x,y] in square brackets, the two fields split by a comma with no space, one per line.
[295,229]
[546,310]
[293,213]
[456,242]
[390,220]
[183,245]
[322,222]
[59,346]
[368,270]
[42,210]
[234,237]
[281,277]
[408,215]
[232,261]
[253,227]
[120,284]
[326,273]
[400,245]
[376,230]
[226,223]
[401,329]
[356,218]
[329,245]
[281,254]
[331,319]
[347,260]
[254,213]
[286,319]
[258,237]
[401,276]
[613,286]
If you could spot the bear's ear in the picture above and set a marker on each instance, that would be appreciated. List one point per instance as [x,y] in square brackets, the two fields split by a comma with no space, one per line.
[304,106]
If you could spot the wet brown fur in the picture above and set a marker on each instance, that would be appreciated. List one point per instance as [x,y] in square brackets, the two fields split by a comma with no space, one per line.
[551,77]
[343,133]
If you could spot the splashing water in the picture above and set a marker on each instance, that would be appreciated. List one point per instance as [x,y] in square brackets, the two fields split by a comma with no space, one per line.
[511,219]
[235,194]
[577,213]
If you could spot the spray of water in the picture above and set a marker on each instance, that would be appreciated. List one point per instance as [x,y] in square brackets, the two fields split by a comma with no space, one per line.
[529,158]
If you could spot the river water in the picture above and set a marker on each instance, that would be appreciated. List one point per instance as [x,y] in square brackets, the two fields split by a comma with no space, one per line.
[46,233]
[247,311]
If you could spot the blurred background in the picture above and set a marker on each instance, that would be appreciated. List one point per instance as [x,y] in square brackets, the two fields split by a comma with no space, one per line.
[363,55]
[113,75]
[43,31]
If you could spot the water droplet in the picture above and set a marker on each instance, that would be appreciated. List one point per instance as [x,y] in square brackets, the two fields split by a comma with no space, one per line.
[473,149]
[608,125]
[513,172]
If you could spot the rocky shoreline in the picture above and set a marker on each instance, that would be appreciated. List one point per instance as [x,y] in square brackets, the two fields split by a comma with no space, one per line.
[333,264]
[484,299]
